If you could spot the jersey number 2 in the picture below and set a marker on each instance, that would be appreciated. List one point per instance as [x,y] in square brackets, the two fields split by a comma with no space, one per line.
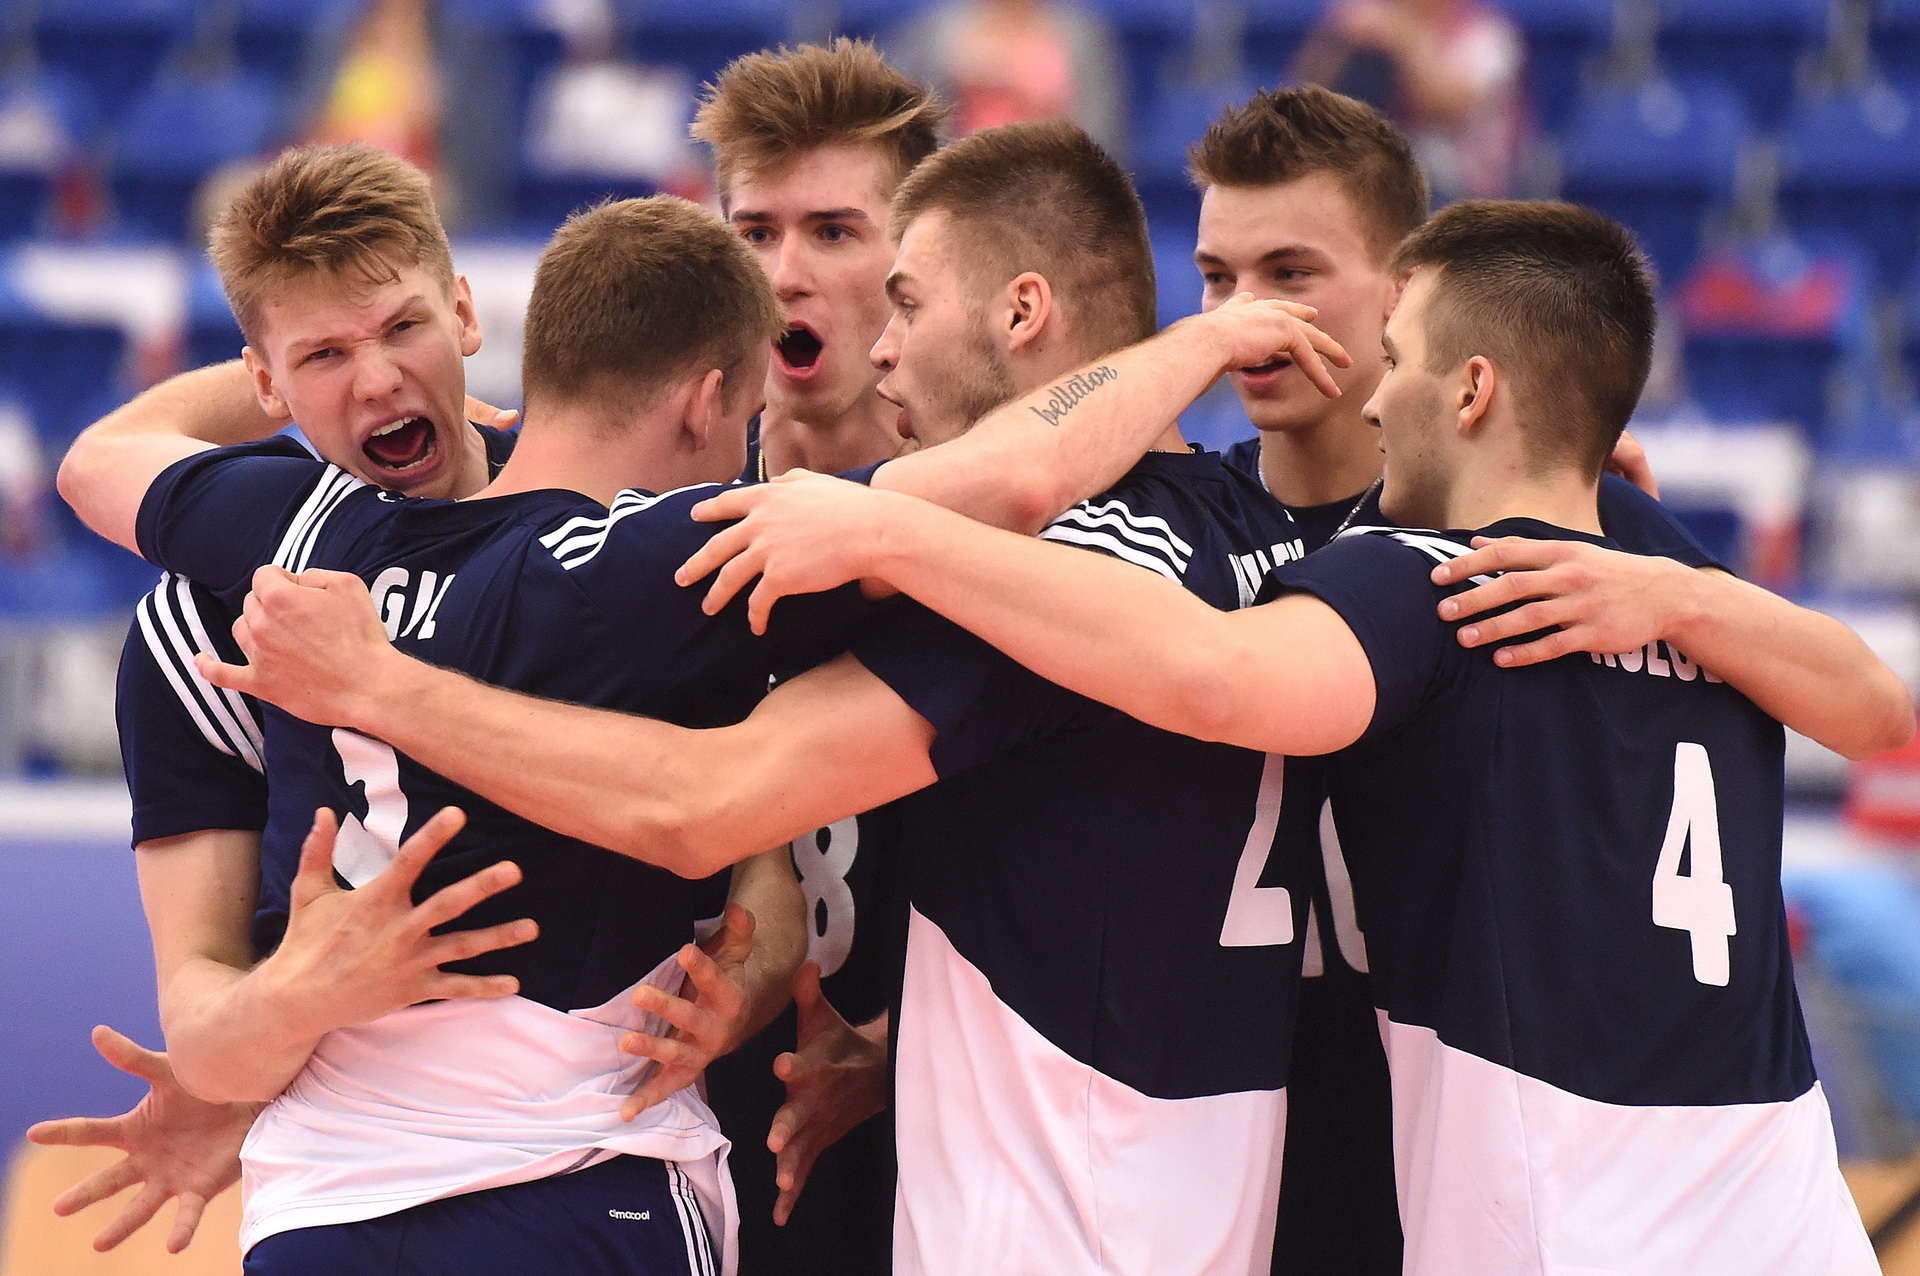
[1260,915]
[1701,902]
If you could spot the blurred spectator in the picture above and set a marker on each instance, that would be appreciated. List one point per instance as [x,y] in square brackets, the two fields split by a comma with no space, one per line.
[1447,71]
[386,90]
[603,115]
[23,486]
[999,61]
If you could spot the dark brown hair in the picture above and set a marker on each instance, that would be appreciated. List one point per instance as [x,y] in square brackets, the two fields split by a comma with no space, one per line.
[1559,298]
[354,212]
[1282,135]
[635,292]
[766,108]
[1044,197]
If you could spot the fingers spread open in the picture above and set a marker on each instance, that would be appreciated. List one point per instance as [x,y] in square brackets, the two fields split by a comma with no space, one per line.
[128,1055]
[145,1204]
[316,854]
[734,576]
[77,1132]
[97,1187]
[664,1083]
[452,901]
[464,945]
[186,1221]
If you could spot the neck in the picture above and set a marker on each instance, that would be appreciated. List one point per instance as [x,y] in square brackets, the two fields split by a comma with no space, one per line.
[791,440]
[1330,460]
[584,448]
[1562,498]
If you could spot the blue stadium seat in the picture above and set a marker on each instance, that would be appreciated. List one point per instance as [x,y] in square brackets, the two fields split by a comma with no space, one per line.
[65,373]
[1156,45]
[1563,36]
[1275,30]
[272,38]
[873,18]
[47,115]
[496,51]
[174,136]
[702,37]
[1160,155]
[1755,45]
[1173,273]
[1657,158]
[1894,38]
[1851,165]
[1910,332]
[541,201]
[1765,329]
[212,335]
[115,46]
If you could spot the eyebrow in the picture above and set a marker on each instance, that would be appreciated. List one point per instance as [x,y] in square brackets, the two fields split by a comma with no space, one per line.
[897,281]
[1284,253]
[1386,343]
[848,214]
[302,348]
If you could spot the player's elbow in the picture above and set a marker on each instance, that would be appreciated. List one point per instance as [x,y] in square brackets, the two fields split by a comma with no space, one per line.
[667,833]
[1889,726]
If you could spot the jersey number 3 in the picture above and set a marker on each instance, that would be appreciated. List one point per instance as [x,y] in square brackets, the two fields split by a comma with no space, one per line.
[1700,902]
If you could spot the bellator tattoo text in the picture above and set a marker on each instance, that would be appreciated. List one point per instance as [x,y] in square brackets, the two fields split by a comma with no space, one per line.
[1072,391]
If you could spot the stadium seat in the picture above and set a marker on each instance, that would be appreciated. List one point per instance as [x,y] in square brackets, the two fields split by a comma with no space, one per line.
[1764,330]
[874,18]
[1274,32]
[272,38]
[1910,332]
[702,37]
[180,131]
[1658,159]
[541,201]
[212,335]
[66,373]
[1894,38]
[1851,165]
[1755,45]
[1156,44]
[1160,156]
[114,46]
[1563,36]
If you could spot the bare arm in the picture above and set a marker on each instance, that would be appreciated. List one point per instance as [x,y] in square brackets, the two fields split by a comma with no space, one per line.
[108,469]
[831,743]
[1808,670]
[1288,677]
[1026,462]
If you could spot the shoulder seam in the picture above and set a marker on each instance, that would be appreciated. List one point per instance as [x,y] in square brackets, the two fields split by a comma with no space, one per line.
[171,625]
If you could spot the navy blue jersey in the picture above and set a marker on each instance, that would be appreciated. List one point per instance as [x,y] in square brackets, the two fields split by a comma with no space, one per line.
[192,752]
[1102,951]
[1568,880]
[1338,1209]
[545,592]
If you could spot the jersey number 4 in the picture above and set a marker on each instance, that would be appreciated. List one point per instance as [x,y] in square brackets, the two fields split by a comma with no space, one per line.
[1700,902]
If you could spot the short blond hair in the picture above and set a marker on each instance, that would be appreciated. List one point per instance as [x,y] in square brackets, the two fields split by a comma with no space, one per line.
[634,292]
[354,212]
[767,108]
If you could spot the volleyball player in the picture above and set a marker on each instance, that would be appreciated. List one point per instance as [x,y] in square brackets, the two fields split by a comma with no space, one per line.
[808,145]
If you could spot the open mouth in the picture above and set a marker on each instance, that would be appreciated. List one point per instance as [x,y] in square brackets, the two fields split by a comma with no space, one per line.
[1272,365]
[799,348]
[403,445]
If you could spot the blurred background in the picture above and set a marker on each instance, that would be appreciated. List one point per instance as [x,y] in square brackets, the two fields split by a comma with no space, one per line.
[1767,152]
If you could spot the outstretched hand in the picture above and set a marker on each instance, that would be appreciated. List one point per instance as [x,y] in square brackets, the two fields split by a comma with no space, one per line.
[800,534]
[1594,599]
[351,956]
[706,1025]
[175,1146]
[314,645]
[835,1080]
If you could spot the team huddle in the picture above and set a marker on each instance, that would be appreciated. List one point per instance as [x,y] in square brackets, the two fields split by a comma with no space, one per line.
[846,787]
